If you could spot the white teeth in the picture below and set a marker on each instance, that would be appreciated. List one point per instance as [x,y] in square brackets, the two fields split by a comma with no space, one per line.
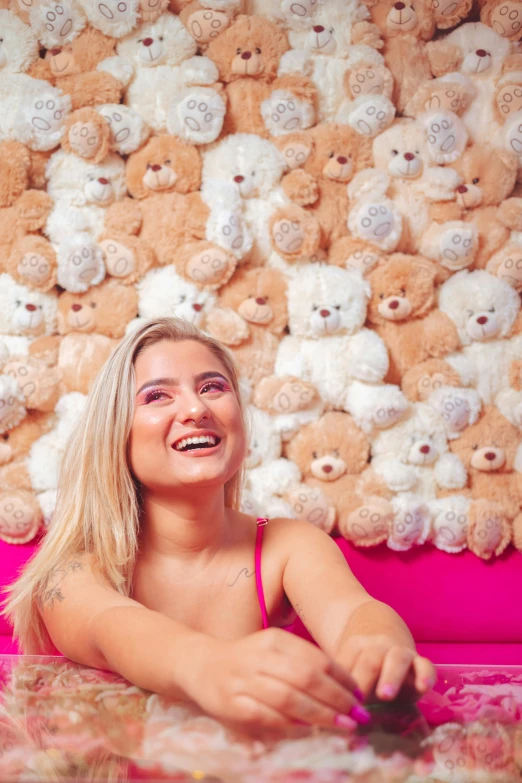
[182,444]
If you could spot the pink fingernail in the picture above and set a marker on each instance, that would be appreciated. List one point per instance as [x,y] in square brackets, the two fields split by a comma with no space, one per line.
[344,722]
[387,691]
[360,714]
[358,694]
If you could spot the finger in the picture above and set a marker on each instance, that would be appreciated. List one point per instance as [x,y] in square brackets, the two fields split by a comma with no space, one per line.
[367,668]
[425,674]
[254,714]
[394,670]
[297,705]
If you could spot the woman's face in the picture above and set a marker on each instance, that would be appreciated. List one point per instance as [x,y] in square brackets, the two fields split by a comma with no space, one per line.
[187,428]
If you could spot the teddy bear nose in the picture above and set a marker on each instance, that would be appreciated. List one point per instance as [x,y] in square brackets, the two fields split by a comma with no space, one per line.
[261,300]
[393,305]
[482,320]
[246,55]
[324,313]
[409,155]
[399,6]
[342,160]
[103,181]
[76,308]
[425,449]
[481,53]
[147,42]
[462,189]
[327,468]
[318,28]
[156,167]
[30,307]
[490,455]
[238,178]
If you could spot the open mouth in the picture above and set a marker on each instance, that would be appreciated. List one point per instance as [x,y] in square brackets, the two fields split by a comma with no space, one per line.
[199,443]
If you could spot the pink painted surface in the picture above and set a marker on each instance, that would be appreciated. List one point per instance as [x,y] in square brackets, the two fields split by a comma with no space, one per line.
[459,608]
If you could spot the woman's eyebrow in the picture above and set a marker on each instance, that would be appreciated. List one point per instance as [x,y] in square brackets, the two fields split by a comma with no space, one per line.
[202,376]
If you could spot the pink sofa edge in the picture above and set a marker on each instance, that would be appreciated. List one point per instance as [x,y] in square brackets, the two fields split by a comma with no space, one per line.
[459,608]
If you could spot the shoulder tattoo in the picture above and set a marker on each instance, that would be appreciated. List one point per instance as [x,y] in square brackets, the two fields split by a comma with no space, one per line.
[52,586]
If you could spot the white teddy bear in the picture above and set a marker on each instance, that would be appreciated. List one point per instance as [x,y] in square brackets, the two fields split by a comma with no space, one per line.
[24,315]
[405,154]
[165,72]
[329,347]
[129,131]
[163,293]
[484,309]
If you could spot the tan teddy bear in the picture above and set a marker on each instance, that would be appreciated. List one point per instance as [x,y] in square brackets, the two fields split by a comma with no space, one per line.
[72,69]
[258,297]
[87,134]
[163,178]
[488,450]
[127,257]
[332,454]
[21,516]
[205,19]
[15,446]
[247,55]
[22,210]
[504,16]
[402,311]
[319,185]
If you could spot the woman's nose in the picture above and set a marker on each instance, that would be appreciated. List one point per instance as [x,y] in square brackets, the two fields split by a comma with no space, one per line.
[193,409]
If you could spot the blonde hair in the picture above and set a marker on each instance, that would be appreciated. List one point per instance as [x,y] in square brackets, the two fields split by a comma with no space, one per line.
[97,508]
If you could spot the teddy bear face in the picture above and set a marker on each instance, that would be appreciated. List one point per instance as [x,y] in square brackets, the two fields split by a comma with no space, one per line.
[249,165]
[326,300]
[105,309]
[402,288]
[504,16]
[163,42]
[489,445]
[24,311]
[14,172]
[164,165]
[481,50]
[259,296]
[419,440]
[338,152]
[488,176]
[162,292]
[81,55]
[81,183]
[330,447]
[411,17]
[264,444]
[481,306]
[401,151]
[250,47]
[330,32]
[18,47]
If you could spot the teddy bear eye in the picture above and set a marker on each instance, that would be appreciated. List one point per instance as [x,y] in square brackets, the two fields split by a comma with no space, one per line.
[254,444]
[491,310]
[93,304]
[331,154]
[5,436]
[167,163]
[470,313]
[18,303]
[314,307]
[258,50]
[337,307]
[395,152]
[381,296]
[238,51]
[182,298]
[335,452]
[474,448]
[403,291]
[161,38]
[314,454]
[475,180]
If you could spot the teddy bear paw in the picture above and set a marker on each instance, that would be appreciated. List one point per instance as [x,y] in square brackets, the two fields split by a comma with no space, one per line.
[285,114]
[368,525]
[371,117]
[58,19]
[450,529]
[310,504]
[19,521]
[446,137]
[375,222]
[410,526]
[486,534]
[385,417]
[209,267]
[513,136]
[12,403]
[197,116]
[116,11]
[509,100]
[455,411]
[119,260]
[288,235]
[45,116]
[204,25]
[84,139]
[458,246]
[293,396]
[80,264]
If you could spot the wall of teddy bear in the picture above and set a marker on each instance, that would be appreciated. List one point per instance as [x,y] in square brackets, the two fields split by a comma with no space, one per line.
[333,188]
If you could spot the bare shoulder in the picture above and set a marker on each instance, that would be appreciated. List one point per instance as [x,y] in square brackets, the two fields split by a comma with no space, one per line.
[298,538]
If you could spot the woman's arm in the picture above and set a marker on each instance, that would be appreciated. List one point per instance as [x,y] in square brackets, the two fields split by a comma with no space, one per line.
[364,635]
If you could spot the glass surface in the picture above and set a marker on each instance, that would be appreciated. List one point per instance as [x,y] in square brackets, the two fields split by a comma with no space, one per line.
[62,722]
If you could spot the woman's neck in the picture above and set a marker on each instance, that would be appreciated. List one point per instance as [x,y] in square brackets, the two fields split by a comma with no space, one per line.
[187,529]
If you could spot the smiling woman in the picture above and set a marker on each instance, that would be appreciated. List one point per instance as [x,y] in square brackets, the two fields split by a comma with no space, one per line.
[146,568]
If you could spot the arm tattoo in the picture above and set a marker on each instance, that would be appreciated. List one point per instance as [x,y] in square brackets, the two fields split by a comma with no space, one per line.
[52,585]
[302,618]
[243,570]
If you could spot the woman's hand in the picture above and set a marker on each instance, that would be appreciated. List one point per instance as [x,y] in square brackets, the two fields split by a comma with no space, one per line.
[273,679]
[385,667]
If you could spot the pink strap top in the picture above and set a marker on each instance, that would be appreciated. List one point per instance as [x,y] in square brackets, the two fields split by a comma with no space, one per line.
[261,522]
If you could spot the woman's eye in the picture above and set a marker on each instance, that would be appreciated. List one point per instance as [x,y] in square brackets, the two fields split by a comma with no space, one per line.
[213,386]
[154,395]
